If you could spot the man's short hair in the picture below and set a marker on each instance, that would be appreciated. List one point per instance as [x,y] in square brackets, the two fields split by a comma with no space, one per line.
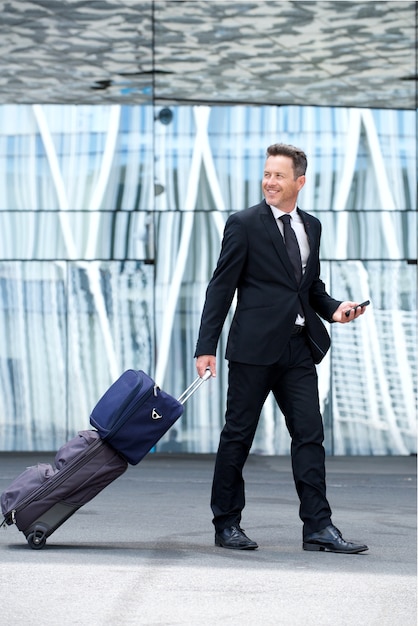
[300,162]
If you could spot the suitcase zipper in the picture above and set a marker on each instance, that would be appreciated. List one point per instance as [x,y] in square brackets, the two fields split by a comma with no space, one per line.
[154,390]
[43,490]
[126,417]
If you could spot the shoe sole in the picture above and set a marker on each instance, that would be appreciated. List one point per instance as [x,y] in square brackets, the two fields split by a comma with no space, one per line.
[219,544]
[314,547]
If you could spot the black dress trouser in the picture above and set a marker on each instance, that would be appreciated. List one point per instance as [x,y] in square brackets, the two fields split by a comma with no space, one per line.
[293,381]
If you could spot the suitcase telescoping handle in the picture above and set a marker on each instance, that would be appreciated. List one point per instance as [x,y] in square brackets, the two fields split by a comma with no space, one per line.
[195,385]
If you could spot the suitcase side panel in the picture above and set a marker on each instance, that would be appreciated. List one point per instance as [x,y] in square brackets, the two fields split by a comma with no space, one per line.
[26,483]
[144,426]
[126,391]
[75,485]
[141,422]
[48,522]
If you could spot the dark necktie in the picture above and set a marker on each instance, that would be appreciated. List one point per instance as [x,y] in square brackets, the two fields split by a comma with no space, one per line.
[292,246]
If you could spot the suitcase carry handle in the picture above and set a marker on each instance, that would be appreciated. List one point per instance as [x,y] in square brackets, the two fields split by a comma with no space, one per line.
[195,385]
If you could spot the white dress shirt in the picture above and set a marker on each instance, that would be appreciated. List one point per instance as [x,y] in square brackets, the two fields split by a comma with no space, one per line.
[301,236]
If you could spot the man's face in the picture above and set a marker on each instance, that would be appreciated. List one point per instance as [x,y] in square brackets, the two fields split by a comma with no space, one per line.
[279,186]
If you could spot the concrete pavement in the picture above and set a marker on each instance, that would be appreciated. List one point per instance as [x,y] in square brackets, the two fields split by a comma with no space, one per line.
[142,551]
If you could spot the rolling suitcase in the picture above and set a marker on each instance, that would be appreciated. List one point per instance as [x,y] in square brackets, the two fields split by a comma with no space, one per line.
[43,497]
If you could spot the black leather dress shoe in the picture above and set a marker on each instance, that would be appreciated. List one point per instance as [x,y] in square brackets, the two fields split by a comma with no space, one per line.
[330,540]
[234,538]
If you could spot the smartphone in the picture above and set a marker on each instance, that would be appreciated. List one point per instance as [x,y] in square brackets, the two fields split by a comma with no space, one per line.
[365,303]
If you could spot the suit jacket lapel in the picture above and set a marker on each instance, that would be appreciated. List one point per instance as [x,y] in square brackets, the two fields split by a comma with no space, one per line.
[307,224]
[312,234]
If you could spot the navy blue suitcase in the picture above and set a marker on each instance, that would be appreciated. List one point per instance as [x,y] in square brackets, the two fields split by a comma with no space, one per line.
[135,413]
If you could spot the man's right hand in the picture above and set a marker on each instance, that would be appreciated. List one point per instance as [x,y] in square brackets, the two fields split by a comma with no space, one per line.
[204,362]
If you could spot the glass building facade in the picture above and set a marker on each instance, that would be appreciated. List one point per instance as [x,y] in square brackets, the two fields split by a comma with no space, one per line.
[111,219]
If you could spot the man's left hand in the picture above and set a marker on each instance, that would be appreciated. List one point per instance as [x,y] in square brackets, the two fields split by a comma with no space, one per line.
[354,309]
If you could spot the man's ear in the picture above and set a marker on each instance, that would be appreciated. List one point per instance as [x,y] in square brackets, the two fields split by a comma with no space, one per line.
[300,182]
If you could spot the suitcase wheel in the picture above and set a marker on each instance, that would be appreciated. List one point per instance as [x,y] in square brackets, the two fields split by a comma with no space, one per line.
[37,540]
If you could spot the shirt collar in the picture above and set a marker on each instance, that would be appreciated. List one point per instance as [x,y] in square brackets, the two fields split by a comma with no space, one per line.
[278,213]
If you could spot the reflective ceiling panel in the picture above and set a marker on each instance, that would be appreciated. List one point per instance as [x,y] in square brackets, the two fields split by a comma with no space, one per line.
[356,54]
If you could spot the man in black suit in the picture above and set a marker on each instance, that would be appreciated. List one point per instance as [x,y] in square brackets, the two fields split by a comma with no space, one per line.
[275,339]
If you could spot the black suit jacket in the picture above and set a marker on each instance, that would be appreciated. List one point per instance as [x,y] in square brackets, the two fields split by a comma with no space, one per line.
[254,262]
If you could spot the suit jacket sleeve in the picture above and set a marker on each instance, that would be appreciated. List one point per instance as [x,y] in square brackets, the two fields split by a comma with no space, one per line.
[222,286]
